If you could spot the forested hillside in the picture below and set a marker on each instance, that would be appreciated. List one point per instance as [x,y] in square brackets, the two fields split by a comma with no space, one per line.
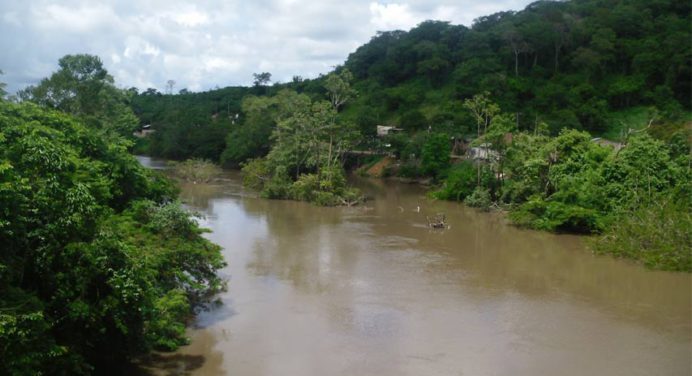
[587,65]
[570,64]
[189,124]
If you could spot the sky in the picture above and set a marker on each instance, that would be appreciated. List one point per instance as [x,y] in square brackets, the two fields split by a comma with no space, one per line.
[205,44]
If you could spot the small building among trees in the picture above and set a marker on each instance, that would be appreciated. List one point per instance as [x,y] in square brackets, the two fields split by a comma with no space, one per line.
[385,130]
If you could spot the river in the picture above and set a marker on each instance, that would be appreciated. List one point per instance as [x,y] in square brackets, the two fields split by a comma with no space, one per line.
[371,290]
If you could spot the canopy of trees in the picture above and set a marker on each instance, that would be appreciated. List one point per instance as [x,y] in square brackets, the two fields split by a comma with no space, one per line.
[305,161]
[83,88]
[568,63]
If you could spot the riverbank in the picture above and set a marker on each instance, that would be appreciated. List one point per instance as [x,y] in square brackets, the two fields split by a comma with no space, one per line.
[623,239]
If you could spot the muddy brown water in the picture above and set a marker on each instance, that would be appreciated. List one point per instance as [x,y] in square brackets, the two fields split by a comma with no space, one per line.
[371,290]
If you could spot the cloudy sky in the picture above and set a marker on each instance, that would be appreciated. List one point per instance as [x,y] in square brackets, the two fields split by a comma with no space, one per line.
[206,43]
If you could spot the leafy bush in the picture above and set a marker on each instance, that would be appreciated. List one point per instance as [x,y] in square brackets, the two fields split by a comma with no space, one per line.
[460,182]
[657,234]
[328,189]
[171,219]
[168,327]
[196,170]
[256,173]
[305,188]
[326,199]
[557,216]
[435,155]
[277,187]
[479,198]
[410,169]
[413,120]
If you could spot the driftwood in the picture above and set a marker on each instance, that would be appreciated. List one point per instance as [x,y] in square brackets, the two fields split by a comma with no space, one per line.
[357,201]
[439,220]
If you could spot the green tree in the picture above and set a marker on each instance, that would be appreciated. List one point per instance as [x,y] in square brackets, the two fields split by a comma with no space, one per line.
[305,160]
[82,87]
[3,91]
[339,90]
[251,138]
[261,79]
[98,266]
[435,155]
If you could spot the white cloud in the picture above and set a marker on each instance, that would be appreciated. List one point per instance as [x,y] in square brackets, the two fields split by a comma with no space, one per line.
[191,18]
[392,16]
[207,43]
[55,17]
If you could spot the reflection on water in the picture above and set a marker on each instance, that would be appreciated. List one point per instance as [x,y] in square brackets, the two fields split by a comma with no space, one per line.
[372,291]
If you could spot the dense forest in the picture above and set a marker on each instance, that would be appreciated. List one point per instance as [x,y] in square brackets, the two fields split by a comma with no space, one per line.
[100,263]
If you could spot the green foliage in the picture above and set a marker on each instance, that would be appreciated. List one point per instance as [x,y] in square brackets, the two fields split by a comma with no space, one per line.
[568,62]
[435,155]
[195,170]
[460,182]
[170,220]
[339,90]
[168,326]
[261,79]
[199,125]
[304,162]
[256,173]
[656,233]
[570,183]
[82,87]
[479,198]
[305,188]
[95,268]
[557,216]
[619,122]
[413,120]
[3,91]
[251,138]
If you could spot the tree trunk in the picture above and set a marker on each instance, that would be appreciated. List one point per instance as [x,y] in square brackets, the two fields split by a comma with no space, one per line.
[516,63]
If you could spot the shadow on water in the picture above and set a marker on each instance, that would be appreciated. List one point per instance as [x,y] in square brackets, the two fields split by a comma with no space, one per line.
[160,364]
[210,313]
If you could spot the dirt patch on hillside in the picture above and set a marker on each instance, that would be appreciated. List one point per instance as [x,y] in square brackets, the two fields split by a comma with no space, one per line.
[378,168]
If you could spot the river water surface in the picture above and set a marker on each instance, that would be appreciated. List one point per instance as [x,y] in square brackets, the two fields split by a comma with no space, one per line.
[371,290]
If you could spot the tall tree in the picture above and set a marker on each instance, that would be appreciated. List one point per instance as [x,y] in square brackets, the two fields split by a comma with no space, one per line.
[261,79]
[3,91]
[82,87]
